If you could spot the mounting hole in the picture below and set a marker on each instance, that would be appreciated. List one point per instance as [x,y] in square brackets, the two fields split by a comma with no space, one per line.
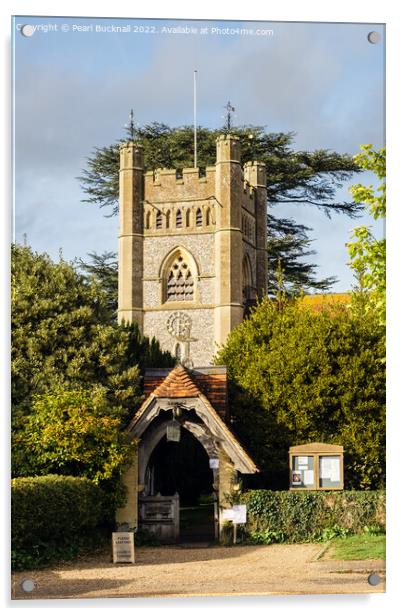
[374,579]
[27,30]
[28,585]
[373,37]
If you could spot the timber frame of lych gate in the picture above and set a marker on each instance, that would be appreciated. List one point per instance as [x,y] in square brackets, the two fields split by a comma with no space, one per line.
[198,416]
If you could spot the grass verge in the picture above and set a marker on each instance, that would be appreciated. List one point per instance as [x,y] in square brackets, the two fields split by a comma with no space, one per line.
[357,547]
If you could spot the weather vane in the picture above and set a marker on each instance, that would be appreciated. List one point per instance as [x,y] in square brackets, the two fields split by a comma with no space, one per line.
[131,126]
[228,116]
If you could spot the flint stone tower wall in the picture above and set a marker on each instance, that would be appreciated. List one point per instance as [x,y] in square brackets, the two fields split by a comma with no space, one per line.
[192,248]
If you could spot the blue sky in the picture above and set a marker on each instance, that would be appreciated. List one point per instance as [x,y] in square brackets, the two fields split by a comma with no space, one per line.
[73,91]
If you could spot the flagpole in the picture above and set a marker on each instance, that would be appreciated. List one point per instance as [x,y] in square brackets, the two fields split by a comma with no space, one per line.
[195,118]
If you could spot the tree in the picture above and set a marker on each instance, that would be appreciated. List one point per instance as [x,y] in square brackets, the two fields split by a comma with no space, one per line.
[103,269]
[288,246]
[367,252]
[297,177]
[299,375]
[62,335]
[75,433]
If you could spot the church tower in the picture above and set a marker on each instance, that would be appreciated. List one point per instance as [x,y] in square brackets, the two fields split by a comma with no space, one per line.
[192,249]
[192,259]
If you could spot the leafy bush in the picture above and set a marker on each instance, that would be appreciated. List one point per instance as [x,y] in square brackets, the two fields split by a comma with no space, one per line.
[266,537]
[297,375]
[72,433]
[297,517]
[334,532]
[373,531]
[53,517]
[64,333]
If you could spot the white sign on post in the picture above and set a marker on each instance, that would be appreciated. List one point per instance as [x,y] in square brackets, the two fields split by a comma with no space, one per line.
[123,547]
[227,514]
[237,514]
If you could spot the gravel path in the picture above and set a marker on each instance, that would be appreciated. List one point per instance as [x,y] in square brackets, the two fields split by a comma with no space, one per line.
[177,571]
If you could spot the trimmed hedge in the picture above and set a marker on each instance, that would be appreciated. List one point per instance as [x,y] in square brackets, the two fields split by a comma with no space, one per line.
[297,517]
[53,516]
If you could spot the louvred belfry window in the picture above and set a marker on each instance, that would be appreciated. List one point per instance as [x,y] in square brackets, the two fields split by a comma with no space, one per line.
[180,283]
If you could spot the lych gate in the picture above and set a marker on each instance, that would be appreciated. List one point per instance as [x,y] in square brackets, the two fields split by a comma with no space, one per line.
[181,403]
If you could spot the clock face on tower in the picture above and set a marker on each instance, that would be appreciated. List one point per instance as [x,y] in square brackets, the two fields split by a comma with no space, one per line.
[179,326]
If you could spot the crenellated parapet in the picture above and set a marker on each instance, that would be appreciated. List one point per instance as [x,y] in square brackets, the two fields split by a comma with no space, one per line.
[179,184]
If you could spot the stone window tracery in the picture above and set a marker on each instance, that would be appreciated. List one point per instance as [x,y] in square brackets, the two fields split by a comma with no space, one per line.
[180,282]
[198,218]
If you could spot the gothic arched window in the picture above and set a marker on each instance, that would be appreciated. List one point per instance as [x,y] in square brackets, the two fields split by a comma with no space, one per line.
[188,213]
[208,217]
[180,282]
[248,286]
[179,219]
[148,220]
[159,220]
[168,219]
[198,218]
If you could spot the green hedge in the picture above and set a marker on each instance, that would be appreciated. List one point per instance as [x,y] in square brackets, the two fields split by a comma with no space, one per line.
[52,517]
[297,517]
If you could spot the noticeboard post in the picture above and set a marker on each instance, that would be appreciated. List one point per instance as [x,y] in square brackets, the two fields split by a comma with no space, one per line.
[316,466]
[237,515]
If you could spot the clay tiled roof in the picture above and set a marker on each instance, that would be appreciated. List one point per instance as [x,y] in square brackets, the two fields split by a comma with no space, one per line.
[177,384]
[212,382]
[180,383]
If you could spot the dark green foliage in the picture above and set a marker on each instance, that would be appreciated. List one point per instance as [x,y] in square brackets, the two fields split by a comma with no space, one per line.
[103,269]
[292,177]
[67,355]
[53,517]
[306,177]
[289,246]
[63,335]
[295,517]
[299,375]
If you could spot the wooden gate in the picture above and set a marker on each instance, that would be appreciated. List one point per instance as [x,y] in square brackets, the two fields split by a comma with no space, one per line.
[161,516]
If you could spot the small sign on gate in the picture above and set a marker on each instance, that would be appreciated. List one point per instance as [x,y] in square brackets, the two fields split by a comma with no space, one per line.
[123,547]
